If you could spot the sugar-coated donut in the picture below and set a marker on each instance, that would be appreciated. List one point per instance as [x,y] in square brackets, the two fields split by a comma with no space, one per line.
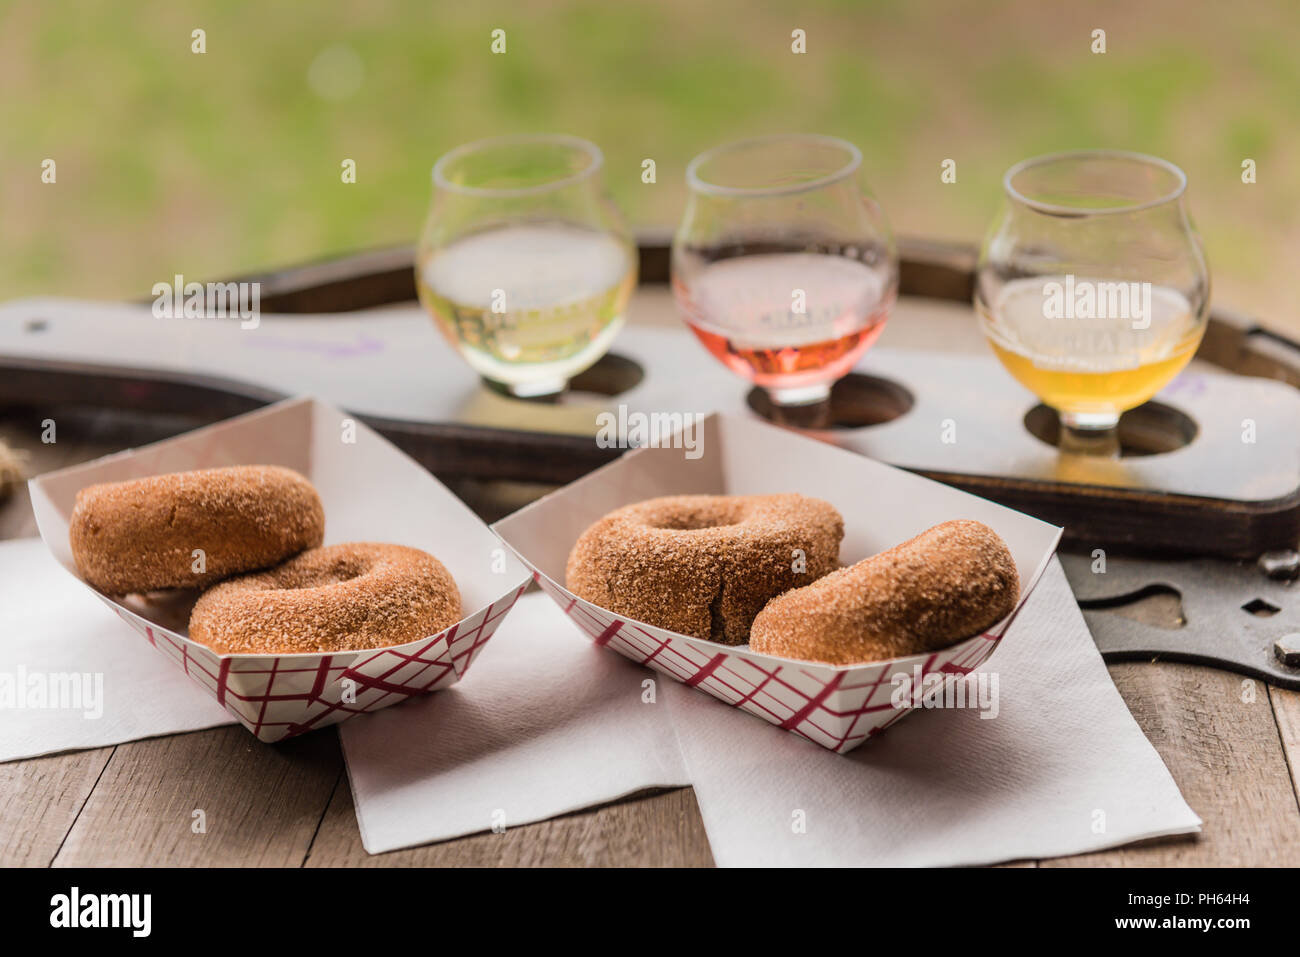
[703,565]
[948,583]
[142,535]
[333,599]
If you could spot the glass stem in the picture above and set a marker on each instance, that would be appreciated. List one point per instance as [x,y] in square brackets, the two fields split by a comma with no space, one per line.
[802,395]
[539,390]
[1089,433]
[808,407]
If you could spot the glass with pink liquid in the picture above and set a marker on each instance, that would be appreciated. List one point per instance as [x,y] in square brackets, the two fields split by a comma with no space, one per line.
[784,265]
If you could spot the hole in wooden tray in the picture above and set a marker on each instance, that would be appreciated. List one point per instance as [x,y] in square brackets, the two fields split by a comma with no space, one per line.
[612,374]
[1150,429]
[857,401]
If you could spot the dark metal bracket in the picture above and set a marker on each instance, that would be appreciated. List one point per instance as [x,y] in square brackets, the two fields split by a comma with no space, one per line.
[1233,614]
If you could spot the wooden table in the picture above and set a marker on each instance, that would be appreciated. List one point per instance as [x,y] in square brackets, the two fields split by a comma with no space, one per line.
[1235,757]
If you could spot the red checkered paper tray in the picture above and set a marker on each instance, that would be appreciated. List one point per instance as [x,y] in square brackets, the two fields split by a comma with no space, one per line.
[371,492]
[838,707]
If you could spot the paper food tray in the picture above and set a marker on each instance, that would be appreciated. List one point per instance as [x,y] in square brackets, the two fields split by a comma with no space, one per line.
[838,707]
[371,492]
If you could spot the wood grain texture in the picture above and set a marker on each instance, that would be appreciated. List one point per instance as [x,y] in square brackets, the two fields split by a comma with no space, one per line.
[652,829]
[40,800]
[1225,755]
[262,803]
[1286,710]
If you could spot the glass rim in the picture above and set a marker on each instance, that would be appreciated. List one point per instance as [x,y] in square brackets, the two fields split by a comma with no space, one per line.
[1055,209]
[699,185]
[586,147]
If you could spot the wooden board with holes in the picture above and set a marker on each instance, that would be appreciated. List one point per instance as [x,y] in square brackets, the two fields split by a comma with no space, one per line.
[1224,479]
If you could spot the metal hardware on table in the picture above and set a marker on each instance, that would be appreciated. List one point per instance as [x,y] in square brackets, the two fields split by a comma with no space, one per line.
[1282,565]
[1287,649]
[1231,615]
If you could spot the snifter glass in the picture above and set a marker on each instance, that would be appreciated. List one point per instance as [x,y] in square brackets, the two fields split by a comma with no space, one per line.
[1092,286]
[525,263]
[783,265]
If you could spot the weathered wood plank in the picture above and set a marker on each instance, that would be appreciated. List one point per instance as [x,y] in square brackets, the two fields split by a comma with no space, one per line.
[39,801]
[1286,710]
[262,803]
[1223,750]
[655,829]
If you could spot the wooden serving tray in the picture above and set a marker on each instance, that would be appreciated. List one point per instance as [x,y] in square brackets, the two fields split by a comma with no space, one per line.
[1202,490]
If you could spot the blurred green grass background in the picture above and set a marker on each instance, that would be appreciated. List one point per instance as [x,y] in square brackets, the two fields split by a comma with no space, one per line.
[228,162]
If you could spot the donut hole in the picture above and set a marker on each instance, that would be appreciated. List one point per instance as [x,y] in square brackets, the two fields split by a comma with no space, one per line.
[336,573]
[691,523]
[687,519]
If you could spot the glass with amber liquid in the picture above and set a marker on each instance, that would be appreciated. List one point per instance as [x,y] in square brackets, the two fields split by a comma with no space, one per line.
[784,266]
[524,263]
[1092,286]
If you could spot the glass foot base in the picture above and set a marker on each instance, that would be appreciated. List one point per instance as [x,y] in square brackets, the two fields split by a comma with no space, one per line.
[804,408]
[541,390]
[802,395]
[1090,433]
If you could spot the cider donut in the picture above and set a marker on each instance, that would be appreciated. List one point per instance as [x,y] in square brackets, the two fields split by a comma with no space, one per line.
[948,583]
[704,565]
[141,535]
[333,599]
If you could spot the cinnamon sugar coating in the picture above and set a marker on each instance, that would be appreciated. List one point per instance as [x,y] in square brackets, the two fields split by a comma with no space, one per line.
[704,565]
[141,535]
[327,600]
[948,583]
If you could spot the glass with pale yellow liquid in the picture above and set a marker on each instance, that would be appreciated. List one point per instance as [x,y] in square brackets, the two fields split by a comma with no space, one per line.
[1092,287]
[525,264]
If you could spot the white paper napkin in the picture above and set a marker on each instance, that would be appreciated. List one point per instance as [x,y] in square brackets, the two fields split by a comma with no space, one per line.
[1062,769]
[74,676]
[544,723]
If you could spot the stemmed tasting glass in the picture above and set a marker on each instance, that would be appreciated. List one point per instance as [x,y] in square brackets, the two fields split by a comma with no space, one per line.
[525,263]
[783,265]
[1092,286]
